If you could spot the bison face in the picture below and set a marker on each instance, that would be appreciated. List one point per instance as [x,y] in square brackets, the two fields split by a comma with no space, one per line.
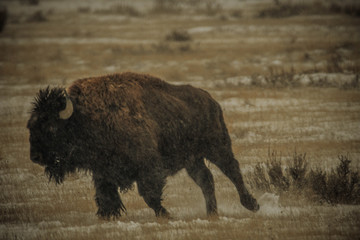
[49,145]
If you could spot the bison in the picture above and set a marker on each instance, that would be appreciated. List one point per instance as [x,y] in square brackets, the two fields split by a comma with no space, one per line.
[127,128]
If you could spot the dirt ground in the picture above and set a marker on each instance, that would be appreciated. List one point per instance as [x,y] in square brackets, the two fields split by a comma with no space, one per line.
[284,83]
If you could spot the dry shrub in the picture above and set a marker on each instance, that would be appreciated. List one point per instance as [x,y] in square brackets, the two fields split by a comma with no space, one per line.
[33,2]
[162,47]
[178,35]
[291,8]
[166,6]
[212,8]
[120,9]
[281,78]
[339,186]
[185,48]
[30,2]
[276,78]
[283,10]
[38,16]
[84,10]
[205,7]
[354,84]
[351,9]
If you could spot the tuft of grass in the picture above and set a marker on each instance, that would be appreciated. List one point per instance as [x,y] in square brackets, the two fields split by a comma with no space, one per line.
[275,172]
[236,13]
[259,178]
[298,169]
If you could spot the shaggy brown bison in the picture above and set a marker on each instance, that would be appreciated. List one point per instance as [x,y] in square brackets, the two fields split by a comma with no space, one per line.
[128,128]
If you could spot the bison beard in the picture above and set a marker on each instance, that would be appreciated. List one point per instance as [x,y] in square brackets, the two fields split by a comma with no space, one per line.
[128,128]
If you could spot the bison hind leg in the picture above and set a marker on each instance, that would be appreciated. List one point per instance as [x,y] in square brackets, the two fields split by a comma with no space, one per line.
[224,159]
[204,179]
[108,200]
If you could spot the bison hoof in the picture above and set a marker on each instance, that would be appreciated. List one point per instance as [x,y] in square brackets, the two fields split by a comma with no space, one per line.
[107,215]
[250,203]
[163,213]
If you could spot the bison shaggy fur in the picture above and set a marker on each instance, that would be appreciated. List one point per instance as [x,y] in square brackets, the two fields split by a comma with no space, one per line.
[127,128]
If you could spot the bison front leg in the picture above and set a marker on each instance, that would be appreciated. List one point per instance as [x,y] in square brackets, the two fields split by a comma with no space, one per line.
[107,199]
[150,187]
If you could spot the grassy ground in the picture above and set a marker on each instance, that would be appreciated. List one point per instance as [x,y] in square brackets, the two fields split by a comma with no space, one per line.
[284,83]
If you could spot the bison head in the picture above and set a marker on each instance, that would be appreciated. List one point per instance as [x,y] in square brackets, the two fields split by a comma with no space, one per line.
[49,133]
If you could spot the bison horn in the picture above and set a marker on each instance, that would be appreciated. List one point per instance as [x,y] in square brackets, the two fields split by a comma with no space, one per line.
[68,111]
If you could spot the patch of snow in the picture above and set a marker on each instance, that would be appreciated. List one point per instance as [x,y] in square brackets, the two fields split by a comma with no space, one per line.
[269,204]
[178,224]
[129,226]
[111,68]
[336,79]
[200,29]
[80,62]
[240,80]
[152,224]
[233,220]
[277,62]
[200,221]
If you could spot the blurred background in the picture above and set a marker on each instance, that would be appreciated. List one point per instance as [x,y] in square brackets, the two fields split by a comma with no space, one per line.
[286,73]
[233,42]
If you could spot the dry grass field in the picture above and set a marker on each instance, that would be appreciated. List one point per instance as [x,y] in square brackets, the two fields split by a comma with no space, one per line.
[285,83]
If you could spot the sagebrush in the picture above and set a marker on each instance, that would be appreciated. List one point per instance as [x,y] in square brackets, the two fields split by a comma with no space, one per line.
[337,186]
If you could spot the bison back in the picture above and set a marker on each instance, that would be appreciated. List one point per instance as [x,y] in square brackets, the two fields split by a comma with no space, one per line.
[146,112]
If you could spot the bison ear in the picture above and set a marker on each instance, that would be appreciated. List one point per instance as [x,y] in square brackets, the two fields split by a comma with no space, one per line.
[69,109]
